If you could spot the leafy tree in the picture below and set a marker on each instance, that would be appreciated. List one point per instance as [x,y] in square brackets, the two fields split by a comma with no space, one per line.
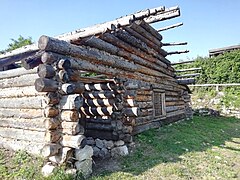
[21,41]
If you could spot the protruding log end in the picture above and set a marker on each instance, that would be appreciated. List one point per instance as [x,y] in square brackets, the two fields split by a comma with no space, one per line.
[45,71]
[46,85]
[43,42]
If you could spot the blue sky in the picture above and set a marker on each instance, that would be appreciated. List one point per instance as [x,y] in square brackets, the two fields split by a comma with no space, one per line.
[207,23]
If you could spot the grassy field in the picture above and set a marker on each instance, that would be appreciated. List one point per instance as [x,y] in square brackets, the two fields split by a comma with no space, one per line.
[202,148]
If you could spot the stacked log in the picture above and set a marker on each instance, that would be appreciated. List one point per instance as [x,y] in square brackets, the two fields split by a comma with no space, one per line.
[21,109]
[63,133]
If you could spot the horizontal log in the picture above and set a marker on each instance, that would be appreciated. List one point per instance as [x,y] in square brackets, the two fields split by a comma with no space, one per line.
[22,103]
[97,120]
[16,72]
[128,36]
[46,71]
[52,123]
[186,81]
[71,102]
[170,27]
[72,128]
[108,135]
[101,127]
[21,123]
[101,86]
[50,111]
[162,16]
[99,95]
[93,55]
[112,49]
[171,103]
[174,108]
[99,102]
[22,134]
[72,88]
[50,149]
[46,85]
[21,81]
[151,30]
[77,75]
[141,128]
[7,60]
[189,69]
[175,44]
[32,61]
[131,112]
[98,111]
[175,113]
[51,98]
[188,75]
[140,33]
[70,115]
[178,52]
[72,141]
[19,92]
[52,136]
[16,144]
[101,28]
[121,44]
[145,105]
[21,113]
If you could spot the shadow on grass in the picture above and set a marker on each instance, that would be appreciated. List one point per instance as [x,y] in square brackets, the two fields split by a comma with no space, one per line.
[169,143]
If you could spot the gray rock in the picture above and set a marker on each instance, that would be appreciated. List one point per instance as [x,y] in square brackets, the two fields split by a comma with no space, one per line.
[119,151]
[90,141]
[119,143]
[47,169]
[85,167]
[84,153]
[103,153]
[99,143]
[96,151]
[108,144]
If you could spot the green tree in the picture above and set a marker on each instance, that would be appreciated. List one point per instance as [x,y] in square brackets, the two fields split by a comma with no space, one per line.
[21,41]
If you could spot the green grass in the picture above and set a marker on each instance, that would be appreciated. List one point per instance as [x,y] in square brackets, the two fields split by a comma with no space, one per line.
[202,148]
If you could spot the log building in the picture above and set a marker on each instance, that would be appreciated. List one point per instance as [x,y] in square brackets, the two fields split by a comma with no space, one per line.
[109,81]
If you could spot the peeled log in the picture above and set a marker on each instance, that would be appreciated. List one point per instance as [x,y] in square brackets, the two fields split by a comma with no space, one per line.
[72,141]
[71,128]
[46,85]
[71,102]
[45,71]
[21,81]
[52,136]
[51,111]
[50,149]
[70,115]
[52,123]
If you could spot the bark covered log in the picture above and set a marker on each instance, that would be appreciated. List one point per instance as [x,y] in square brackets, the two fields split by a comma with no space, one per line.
[46,85]
[46,71]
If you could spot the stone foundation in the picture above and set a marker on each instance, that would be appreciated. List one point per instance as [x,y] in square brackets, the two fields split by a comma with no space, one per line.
[107,148]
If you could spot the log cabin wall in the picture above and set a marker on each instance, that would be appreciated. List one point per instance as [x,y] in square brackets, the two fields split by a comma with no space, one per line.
[139,86]
[21,111]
